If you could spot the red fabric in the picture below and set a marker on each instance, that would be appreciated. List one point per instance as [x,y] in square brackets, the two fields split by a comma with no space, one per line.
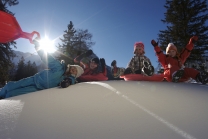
[10,29]
[137,45]
[104,71]
[171,64]
[140,77]
[83,65]
[115,70]
[88,71]
[188,73]
[97,77]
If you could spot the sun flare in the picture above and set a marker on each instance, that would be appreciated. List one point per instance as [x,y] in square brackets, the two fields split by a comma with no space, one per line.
[47,45]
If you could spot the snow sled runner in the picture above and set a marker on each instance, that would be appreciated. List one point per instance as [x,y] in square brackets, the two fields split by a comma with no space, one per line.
[10,29]
[140,77]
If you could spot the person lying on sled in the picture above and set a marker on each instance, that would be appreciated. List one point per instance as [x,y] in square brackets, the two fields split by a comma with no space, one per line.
[173,63]
[58,73]
[94,69]
[139,64]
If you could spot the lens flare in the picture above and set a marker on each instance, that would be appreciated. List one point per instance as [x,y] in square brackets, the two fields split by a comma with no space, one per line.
[47,45]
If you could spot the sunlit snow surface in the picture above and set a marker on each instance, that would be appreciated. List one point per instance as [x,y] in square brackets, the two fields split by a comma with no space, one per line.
[108,109]
[9,114]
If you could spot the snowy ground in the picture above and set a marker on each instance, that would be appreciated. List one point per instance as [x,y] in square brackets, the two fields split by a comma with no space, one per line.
[108,110]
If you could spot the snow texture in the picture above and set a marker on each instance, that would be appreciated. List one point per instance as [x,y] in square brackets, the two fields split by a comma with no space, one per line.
[108,109]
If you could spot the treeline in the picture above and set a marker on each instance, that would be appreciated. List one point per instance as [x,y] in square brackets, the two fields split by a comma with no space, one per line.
[24,70]
[6,52]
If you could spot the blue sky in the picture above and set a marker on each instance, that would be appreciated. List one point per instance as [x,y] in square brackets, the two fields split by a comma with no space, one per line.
[115,24]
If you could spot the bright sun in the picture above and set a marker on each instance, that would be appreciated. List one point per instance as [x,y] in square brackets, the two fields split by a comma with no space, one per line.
[47,45]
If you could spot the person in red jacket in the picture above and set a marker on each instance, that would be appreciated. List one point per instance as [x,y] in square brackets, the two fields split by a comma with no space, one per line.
[173,63]
[94,70]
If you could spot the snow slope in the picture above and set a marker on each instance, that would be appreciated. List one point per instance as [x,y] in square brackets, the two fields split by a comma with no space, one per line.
[108,110]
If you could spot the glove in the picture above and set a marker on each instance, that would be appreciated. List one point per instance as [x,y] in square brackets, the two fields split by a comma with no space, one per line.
[88,53]
[193,39]
[154,43]
[128,71]
[102,62]
[78,80]
[146,64]
[65,83]
[148,71]
[113,63]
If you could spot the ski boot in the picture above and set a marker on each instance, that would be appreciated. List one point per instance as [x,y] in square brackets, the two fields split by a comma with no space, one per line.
[176,76]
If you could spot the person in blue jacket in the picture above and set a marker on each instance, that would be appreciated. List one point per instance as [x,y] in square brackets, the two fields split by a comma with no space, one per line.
[58,73]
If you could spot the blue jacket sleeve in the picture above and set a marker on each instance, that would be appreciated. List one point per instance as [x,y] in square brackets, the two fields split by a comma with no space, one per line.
[72,79]
[49,60]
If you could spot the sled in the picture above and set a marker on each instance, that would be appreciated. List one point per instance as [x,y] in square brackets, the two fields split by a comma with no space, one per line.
[140,77]
[88,78]
[10,29]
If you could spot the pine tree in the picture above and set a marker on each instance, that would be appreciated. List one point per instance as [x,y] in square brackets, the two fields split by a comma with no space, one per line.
[83,40]
[4,3]
[66,49]
[184,19]
[34,68]
[20,73]
[27,70]
[6,53]
[74,42]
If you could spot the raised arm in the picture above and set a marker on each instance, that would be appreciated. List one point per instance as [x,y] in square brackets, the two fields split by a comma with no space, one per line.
[187,50]
[79,58]
[46,58]
[159,53]
[103,66]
